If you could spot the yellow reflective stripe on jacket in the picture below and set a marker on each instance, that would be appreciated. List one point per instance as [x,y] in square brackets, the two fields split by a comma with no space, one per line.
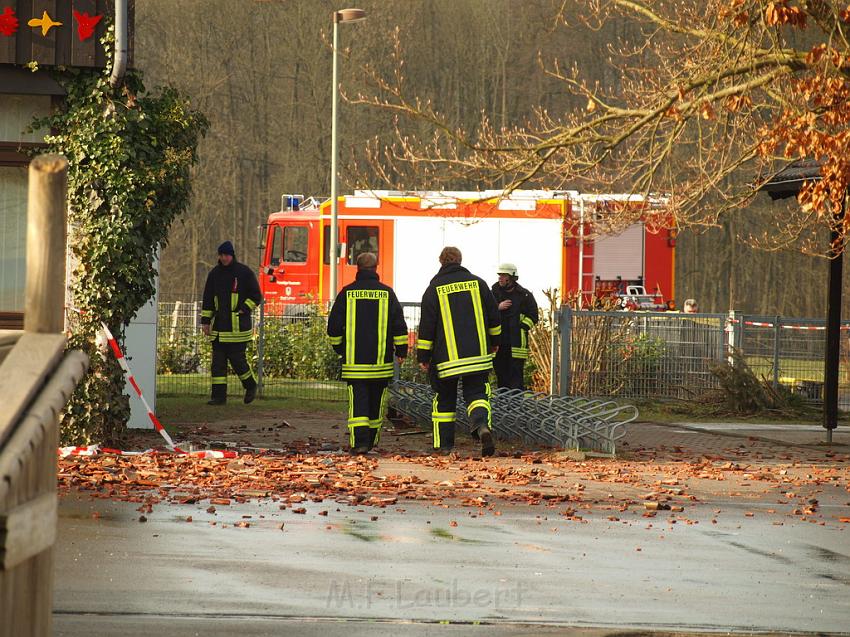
[366,371]
[400,340]
[234,317]
[465,366]
[480,326]
[522,350]
[424,344]
[470,360]
[350,327]
[494,331]
[526,320]
[336,340]
[207,313]
[448,324]
[364,376]
[383,320]
[249,303]
[367,367]
[235,337]
[462,371]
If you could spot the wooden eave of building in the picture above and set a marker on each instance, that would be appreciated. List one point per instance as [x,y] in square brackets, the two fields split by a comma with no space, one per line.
[11,320]
[16,153]
[61,46]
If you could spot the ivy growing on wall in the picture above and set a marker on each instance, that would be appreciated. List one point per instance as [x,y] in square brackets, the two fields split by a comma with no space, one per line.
[130,154]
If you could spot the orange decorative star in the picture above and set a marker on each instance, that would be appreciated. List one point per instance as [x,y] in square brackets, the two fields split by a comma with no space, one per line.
[45,22]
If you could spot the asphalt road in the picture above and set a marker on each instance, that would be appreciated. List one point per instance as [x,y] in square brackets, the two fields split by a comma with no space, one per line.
[526,572]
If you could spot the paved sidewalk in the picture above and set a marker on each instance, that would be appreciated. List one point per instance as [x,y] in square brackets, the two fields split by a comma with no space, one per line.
[720,437]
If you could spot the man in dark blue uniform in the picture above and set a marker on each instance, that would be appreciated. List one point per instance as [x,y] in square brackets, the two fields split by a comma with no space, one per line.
[230,295]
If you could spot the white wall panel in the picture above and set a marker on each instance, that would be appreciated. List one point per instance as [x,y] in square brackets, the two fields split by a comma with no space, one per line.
[534,247]
[140,349]
[417,245]
[478,240]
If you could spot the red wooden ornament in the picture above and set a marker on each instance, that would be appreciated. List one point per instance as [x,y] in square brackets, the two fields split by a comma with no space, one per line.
[86,24]
[8,21]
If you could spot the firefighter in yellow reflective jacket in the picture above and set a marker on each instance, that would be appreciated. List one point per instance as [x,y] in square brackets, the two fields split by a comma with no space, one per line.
[519,314]
[366,326]
[230,296]
[459,331]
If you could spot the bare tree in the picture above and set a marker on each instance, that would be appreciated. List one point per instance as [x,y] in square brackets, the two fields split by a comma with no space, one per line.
[713,95]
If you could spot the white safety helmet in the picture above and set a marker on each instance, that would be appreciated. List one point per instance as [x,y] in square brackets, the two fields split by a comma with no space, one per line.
[507,268]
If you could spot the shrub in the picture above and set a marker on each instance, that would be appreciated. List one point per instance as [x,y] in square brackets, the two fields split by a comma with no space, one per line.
[181,355]
[640,360]
[298,347]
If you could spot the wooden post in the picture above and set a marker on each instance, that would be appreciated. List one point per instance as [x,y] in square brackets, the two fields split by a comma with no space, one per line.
[46,227]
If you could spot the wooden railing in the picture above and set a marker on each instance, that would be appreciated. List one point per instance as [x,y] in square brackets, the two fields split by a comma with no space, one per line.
[37,377]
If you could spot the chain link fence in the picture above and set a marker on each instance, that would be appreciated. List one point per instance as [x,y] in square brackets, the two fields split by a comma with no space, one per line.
[290,353]
[602,354]
[670,355]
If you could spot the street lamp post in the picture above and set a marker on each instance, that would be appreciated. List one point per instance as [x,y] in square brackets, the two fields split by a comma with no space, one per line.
[343,15]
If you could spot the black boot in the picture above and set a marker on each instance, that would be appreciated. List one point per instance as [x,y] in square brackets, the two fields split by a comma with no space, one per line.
[480,418]
[488,447]
[250,394]
[362,437]
[373,437]
[447,437]
[218,396]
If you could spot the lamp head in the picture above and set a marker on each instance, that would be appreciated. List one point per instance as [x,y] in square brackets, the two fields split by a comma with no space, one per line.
[349,15]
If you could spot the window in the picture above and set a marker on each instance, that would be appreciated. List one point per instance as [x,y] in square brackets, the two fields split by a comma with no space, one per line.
[277,246]
[361,239]
[326,242]
[13,238]
[295,244]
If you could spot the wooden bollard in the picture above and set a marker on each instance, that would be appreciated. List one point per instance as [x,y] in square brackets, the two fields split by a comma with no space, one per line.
[46,227]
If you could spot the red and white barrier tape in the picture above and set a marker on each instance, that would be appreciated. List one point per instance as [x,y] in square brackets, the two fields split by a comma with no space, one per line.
[92,450]
[123,362]
[96,450]
[816,328]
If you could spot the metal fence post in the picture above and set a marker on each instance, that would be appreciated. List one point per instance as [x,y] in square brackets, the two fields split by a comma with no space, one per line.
[261,342]
[734,325]
[740,331]
[555,329]
[776,328]
[566,325]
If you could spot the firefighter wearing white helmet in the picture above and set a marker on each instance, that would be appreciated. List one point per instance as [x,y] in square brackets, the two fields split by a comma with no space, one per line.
[518,311]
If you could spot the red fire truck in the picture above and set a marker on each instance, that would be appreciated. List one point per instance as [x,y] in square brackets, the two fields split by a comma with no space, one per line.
[542,232]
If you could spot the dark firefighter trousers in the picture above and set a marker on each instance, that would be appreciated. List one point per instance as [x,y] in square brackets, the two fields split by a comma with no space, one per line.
[509,370]
[367,405]
[476,393]
[234,353]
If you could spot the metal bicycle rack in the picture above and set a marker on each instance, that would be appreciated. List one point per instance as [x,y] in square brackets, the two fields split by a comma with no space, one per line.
[563,421]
